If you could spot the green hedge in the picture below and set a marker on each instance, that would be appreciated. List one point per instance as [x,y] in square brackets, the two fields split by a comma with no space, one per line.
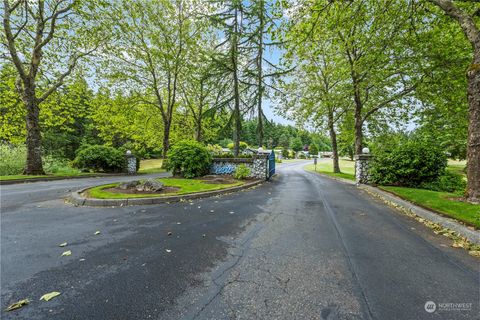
[189,159]
[99,158]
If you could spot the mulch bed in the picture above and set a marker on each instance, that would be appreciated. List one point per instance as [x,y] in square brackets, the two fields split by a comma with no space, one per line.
[216,179]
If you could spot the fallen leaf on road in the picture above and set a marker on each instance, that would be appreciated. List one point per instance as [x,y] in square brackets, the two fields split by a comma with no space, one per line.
[63,244]
[81,259]
[168,250]
[50,296]
[211,211]
[67,253]
[204,235]
[169,233]
[474,253]
[97,232]
[179,223]
[17,305]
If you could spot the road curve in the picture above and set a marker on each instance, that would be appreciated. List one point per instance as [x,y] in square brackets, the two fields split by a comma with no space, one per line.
[299,247]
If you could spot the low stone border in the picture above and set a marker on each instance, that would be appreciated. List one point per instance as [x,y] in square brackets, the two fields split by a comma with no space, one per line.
[93,175]
[76,197]
[391,199]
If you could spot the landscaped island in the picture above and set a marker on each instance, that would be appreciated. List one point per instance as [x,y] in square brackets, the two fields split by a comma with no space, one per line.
[170,187]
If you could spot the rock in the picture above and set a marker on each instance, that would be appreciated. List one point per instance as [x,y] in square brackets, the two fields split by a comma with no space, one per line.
[150,185]
[129,185]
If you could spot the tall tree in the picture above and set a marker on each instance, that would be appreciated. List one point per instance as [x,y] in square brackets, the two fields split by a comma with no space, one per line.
[149,53]
[467,17]
[45,40]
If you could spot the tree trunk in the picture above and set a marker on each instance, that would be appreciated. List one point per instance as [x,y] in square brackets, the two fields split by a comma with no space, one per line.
[333,138]
[236,89]
[198,130]
[166,139]
[260,73]
[358,131]
[33,165]
[473,145]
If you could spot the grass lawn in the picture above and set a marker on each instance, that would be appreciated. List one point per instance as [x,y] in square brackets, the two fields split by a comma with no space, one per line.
[457,167]
[52,175]
[466,212]
[347,168]
[151,166]
[185,185]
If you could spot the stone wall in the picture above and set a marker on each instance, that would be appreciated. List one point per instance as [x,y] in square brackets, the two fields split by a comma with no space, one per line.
[257,165]
[362,164]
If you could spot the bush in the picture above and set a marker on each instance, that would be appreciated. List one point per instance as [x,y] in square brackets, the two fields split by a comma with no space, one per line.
[278,160]
[57,165]
[215,149]
[12,159]
[302,156]
[448,182]
[189,159]
[242,145]
[230,156]
[99,159]
[410,162]
[241,172]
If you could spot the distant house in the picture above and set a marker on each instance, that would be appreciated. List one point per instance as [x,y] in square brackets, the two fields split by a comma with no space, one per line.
[325,154]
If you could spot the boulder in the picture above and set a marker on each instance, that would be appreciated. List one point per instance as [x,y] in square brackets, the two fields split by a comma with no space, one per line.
[149,185]
[129,185]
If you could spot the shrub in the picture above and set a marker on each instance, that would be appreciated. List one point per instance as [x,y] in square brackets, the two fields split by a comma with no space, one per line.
[241,172]
[285,153]
[215,149]
[230,156]
[410,162]
[57,165]
[12,159]
[242,145]
[302,156]
[448,182]
[278,160]
[99,159]
[189,159]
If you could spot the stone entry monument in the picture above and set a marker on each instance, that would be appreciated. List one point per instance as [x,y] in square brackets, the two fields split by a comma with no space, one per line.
[362,163]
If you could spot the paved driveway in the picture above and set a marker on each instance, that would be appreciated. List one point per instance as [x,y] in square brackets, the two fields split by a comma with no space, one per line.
[299,247]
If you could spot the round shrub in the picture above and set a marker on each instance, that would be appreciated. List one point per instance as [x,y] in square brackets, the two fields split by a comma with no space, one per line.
[448,182]
[189,159]
[241,172]
[100,158]
[409,162]
[242,145]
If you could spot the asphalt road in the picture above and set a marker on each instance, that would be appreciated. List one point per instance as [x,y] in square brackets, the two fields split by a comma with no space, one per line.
[299,247]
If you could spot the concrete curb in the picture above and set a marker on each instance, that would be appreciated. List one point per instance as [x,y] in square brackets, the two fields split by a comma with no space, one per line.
[449,223]
[76,197]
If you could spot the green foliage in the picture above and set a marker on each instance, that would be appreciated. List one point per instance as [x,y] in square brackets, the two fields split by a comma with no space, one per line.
[302,156]
[448,182]
[242,145]
[231,155]
[58,166]
[241,172]
[100,158]
[313,150]
[410,162]
[215,149]
[296,144]
[189,159]
[12,159]
[285,153]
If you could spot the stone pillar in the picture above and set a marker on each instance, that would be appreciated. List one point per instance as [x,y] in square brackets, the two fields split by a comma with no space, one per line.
[362,163]
[131,163]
